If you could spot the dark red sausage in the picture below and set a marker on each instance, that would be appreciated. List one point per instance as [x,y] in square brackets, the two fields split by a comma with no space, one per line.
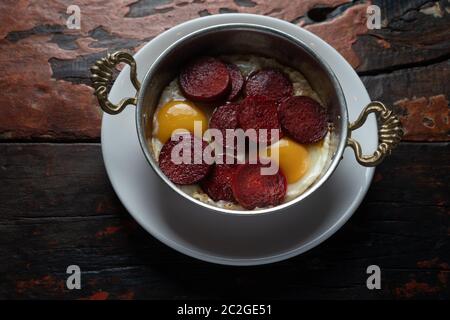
[303,118]
[251,189]
[225,117]
[217,183]
[237,80]
[205,79]
[270,83]
[259,112]
[183,173]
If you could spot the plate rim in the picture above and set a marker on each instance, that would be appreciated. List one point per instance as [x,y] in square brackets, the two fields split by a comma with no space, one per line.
[357,199]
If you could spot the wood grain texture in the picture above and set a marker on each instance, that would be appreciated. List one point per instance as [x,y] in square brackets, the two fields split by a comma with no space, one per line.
[59,209]
[406,64]
[45,83]
[424,108]
[413,33]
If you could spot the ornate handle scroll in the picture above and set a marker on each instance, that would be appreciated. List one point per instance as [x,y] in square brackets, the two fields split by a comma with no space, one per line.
[102,76]
[390,134]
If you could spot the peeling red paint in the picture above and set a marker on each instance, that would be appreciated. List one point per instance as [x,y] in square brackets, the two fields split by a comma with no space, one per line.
[100,295]
[425,118]
[351,24]
[436,263]
[129,295]
[427,263]
[413,288]
[433,263]
[47,283]
[108,231]
[112,15]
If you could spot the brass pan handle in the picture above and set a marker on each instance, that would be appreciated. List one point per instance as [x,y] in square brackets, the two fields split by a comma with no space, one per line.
[390,133]
[102,76]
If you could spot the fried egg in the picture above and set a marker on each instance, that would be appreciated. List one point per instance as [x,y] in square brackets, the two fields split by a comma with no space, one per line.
[301,164]
[174,112]
[177,115]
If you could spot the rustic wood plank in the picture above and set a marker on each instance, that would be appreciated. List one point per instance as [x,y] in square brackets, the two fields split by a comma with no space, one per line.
[420,95]
[405,63]
[413,33]
[58,209]
[56,103]
[44,84]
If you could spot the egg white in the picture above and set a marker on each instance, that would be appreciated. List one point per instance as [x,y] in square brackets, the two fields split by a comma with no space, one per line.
[318,153]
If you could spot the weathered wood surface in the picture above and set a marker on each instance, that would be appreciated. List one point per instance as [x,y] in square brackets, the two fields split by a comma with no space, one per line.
[407,65]
[44,65]
[57,208]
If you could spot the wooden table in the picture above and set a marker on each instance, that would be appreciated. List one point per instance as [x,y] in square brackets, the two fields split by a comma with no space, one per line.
[57,206]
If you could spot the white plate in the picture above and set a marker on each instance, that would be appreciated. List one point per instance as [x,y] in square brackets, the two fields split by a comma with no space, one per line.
[230,239]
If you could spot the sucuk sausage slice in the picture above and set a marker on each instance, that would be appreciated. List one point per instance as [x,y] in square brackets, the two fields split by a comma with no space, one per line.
[270,83]
[225,117]
[259,112]
[183,173]
[251,189]
[237,81]
[205,79]
[303,118]
[217,183]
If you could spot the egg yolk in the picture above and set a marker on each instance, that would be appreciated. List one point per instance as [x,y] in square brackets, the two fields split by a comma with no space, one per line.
[293,158]
[178,115]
